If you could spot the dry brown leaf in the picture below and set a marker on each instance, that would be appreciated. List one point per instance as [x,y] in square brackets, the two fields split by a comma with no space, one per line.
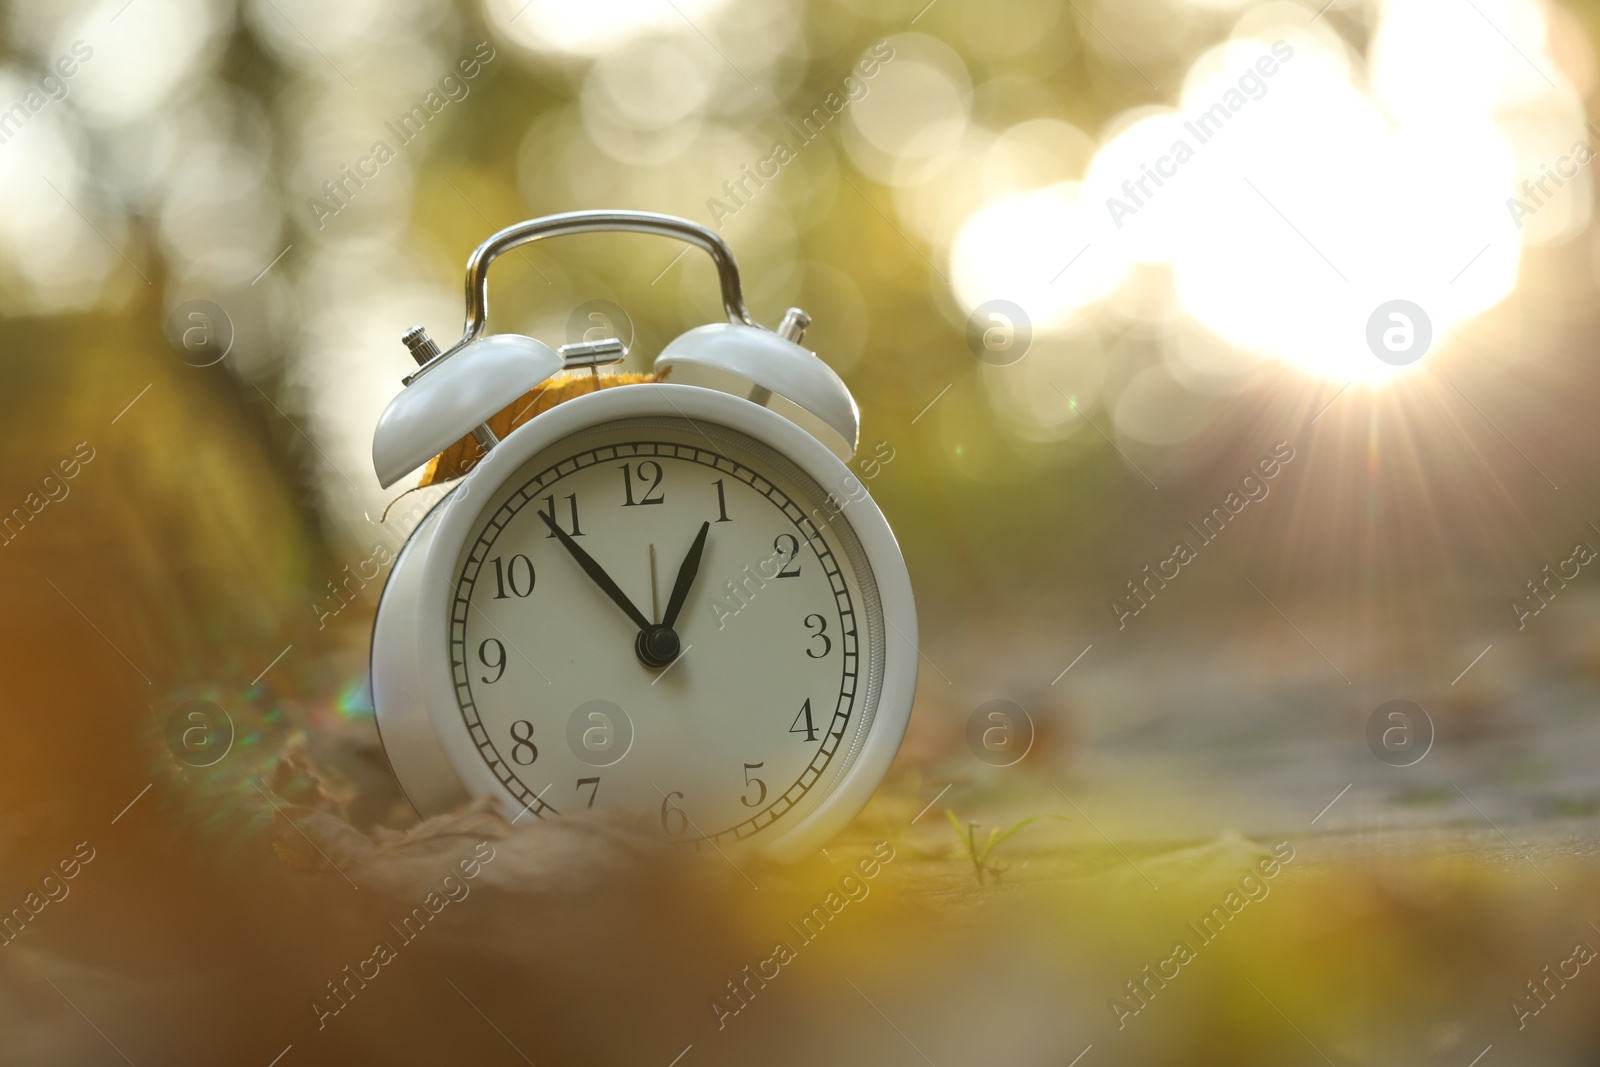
[462,456]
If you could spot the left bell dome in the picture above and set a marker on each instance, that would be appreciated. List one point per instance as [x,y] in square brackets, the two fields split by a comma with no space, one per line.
[444,403]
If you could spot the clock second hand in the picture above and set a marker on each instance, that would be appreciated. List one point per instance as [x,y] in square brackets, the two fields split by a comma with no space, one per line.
[655,608]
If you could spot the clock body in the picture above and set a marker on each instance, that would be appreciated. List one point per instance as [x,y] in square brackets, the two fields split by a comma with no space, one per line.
[501,666]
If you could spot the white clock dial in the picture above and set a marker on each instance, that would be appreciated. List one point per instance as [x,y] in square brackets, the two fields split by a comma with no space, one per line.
[735,717]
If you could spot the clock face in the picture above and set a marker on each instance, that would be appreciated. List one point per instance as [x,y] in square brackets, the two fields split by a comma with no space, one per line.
[668,617]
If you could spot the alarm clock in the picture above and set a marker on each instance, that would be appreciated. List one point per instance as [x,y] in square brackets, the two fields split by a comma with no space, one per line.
[653,597]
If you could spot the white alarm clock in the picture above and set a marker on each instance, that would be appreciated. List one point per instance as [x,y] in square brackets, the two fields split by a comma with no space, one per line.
[660,598]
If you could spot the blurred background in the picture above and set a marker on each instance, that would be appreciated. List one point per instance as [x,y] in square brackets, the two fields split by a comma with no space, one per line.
[1090,268]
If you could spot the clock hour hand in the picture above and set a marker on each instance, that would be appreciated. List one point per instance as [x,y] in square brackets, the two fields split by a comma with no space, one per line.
[596,572]
[686,575]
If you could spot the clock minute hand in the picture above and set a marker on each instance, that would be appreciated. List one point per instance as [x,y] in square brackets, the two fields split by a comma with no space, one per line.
[686,575]
[597,572]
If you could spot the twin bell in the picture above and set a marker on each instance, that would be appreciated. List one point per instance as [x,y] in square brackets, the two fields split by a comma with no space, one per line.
[455,392]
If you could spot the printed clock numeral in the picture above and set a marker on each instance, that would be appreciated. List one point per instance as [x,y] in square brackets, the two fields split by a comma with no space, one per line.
[594,789]
[523,750]
[790,554]
[722,503]
[550,510]
[498,664]
[649,471]
[668,809]
[749,781]
[519,580]
[822,632]
[805,713]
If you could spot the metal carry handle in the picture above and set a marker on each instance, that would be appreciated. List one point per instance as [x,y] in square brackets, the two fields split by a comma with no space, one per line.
[571,222]
[591,222]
